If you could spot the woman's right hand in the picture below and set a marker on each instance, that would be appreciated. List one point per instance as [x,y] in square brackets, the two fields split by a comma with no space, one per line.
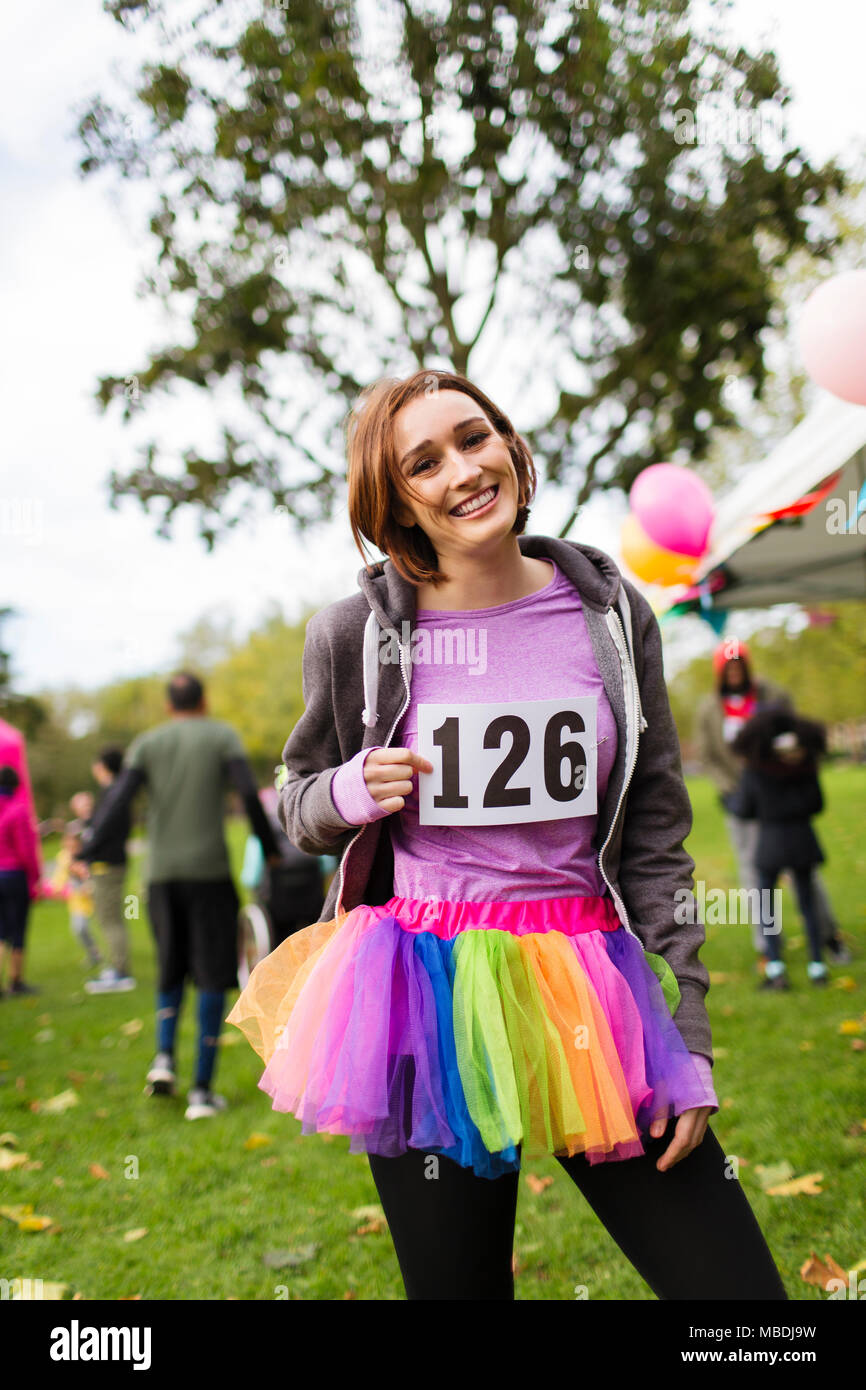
[388,774]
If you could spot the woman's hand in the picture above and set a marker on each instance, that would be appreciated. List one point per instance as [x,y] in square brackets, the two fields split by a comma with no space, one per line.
[388,774]
[690,1130]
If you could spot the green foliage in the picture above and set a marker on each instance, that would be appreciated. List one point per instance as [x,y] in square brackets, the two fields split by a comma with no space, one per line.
[335,206]
[253,682]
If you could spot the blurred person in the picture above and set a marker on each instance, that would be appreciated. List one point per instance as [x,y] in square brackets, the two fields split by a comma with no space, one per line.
[107,878]
[81,805]
[291,891]
[19,879]
[75,889]
[780,791]
[739,695]
[186,763]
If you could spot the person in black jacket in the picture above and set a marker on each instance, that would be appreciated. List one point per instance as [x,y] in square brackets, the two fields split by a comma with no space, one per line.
[780,789]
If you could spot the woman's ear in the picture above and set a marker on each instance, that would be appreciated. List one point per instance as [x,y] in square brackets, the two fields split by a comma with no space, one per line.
[402,514]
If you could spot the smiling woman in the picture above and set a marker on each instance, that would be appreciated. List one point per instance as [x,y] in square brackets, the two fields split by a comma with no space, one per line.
[400,440]
[499,970]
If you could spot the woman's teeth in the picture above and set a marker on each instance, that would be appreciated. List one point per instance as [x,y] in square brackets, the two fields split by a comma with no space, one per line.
[472,506]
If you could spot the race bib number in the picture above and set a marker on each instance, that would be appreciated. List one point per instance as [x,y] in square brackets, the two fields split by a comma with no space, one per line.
[503,764]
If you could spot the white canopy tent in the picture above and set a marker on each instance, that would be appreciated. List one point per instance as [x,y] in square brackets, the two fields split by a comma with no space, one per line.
[804,559]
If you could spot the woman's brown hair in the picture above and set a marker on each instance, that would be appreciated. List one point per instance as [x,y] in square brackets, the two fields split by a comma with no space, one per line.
[375,482]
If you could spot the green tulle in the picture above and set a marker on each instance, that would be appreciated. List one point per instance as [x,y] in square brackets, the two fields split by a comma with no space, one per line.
[666,978]
[510,1054]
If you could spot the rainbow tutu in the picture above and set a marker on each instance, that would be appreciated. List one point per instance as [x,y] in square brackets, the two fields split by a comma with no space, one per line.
[471,1030]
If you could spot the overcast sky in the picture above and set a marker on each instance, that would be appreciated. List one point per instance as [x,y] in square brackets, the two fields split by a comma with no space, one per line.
[97,594]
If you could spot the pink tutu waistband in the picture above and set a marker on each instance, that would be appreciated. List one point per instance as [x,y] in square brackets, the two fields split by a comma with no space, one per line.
[447,920]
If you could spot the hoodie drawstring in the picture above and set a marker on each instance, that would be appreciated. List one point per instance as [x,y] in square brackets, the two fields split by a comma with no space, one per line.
[371,671]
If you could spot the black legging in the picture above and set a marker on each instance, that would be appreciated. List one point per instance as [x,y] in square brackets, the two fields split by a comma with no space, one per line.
[808,907]
[689,1232]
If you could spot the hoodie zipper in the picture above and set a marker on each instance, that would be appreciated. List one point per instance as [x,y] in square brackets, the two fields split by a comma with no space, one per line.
[635,720]
[354,838]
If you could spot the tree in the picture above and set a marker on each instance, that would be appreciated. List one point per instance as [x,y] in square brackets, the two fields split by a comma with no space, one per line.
[484,178]
[25,712]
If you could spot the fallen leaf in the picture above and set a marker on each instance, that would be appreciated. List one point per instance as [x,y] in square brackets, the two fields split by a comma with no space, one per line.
[56,1105]
[43,1020]
[25,1218]
[132,1028]
[285,1259]
[373,1228]
[10,1159]
[257,1141]
[129,1298]
[269,1162]
[350,1293]
[807,1186]
[720,977]
[806,1045]
[857,1045]
[850,1025]
[35,1223]
[846,982]
[101,1114]
[728,1102]
[78,1078]
[537,1185]
[17,1212]
[135,1234]
[819,1272]
[367,1213]
[769,1173]
[58,1182]
[96,1170]
[720,1052]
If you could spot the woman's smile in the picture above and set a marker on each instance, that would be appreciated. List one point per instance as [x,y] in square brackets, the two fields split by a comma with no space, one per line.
[479,502]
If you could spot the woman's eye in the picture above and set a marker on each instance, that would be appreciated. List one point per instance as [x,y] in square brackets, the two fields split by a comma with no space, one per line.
[422,464]
[480,436]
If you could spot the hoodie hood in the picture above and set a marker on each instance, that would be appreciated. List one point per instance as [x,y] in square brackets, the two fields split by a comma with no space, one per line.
[393,600]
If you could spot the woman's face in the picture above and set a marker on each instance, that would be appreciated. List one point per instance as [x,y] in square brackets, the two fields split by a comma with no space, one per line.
[460,471]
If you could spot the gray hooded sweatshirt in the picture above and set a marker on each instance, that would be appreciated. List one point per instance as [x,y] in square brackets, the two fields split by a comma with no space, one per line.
[355,701]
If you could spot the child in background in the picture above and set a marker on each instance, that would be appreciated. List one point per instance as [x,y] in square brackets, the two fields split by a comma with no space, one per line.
[780,789]
[107,877]
[77,892]
[19,879]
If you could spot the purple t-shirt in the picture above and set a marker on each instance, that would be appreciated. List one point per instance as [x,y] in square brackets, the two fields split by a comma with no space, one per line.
[534,648]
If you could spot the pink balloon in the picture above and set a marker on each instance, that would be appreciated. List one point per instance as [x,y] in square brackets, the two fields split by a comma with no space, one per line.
[674,507]
[832,336]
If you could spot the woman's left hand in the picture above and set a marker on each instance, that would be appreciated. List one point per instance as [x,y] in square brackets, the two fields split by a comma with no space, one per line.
[690,1130]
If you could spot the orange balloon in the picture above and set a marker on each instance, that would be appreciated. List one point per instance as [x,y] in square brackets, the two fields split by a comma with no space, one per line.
[652,562]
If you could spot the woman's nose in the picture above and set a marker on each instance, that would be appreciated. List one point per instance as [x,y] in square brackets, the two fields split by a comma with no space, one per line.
[463,470]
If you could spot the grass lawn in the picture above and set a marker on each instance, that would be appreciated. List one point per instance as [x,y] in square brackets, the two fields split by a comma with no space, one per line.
[226,1219]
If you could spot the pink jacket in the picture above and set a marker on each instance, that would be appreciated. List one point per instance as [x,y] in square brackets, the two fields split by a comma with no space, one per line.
[19,841]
